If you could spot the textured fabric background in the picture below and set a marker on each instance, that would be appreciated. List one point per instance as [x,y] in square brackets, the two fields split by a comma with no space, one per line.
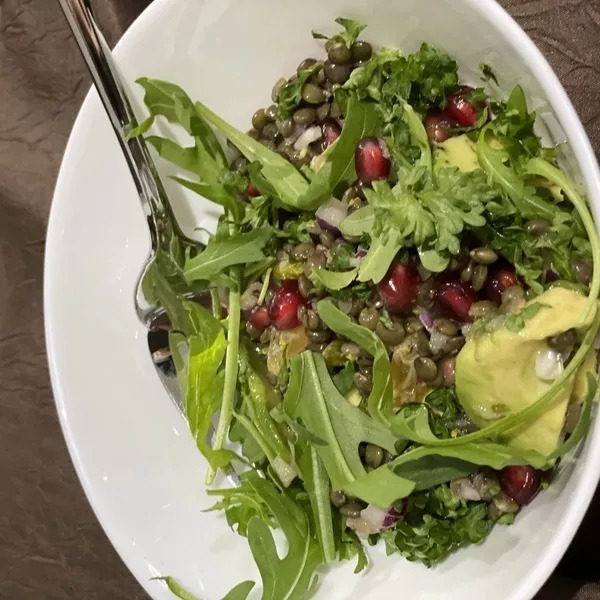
[51,546]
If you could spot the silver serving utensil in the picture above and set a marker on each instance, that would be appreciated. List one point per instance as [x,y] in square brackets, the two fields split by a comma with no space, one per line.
[164,230]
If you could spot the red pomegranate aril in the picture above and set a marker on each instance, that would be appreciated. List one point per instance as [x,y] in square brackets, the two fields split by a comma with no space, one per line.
[283,309]
[438,126]
[252,191]
[500,278]
[456,298]
[371,160]
[398,289]
[259,317]
[521,483]
[459,109]
[331,132]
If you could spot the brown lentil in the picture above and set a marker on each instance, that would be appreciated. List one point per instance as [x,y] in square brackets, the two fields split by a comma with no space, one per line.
[337,73]
[259,119]
[255,135]
[338,498]
[350,194]
[316,260]
[426,293]
[393,336]
[537,227]
[253,331]
[339,54]
[302,251]
[361,51]
[312,320]
[304,286]
[454,344]
[373,455]
[583,270]
[467,273]
[350,350]
[363,382]
[426,369]
[446,326]
[484,255]
[317,336]
[482,309]
[351,510]
[480,273]
[326,238]
[305,116]
[335,112]
[286,127]
[413,324]
[368,317]
[277,88]
[270,131]
[240,164]
[513,299]
[312,94]
[307,62]
[323,112]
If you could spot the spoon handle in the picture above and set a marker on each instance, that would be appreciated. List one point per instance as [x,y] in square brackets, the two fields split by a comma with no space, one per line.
[161,221]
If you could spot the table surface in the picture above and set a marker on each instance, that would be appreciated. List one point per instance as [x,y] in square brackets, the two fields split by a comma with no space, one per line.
[51,545]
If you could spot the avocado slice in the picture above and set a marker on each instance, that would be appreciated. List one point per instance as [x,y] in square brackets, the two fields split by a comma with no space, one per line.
[496,371]
[459,152]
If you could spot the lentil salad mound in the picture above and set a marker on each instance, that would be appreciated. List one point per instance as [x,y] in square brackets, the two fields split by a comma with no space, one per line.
[404,283]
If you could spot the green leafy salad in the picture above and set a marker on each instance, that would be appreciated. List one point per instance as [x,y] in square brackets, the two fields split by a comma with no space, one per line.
[400,342]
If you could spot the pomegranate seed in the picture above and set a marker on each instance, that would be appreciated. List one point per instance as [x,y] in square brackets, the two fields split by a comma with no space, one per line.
[398,289]
[371,160]
[259,318]
[521,483]
[456,297]
[438,126]
[331,132]
[252,191]
[500,278]
[461,110]
[283,310]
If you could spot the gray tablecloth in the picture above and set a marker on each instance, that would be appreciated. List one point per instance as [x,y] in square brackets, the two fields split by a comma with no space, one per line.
[51,546]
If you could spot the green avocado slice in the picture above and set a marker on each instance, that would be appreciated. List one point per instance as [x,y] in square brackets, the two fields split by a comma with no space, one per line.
[496,371]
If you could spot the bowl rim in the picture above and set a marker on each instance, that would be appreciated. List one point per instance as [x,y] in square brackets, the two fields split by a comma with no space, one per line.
[585,157]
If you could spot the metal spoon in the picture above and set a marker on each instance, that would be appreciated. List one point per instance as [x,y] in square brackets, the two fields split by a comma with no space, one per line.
[165,235]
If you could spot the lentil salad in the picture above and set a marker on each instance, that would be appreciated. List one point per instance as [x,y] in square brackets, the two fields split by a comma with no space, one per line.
[401,340]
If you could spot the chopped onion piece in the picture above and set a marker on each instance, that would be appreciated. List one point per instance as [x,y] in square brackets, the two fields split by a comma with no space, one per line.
[312,134]
[331,214]
[549,365]
[437,341]
[357,258]
[426,319]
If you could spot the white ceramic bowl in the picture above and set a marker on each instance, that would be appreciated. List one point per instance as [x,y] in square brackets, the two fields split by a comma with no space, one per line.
[137,463]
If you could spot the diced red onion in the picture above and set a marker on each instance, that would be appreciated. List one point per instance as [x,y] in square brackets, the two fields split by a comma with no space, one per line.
[426,319]
[393,516]
[330,215]
[312,134]
[549,365]
[357,258]
[374,519]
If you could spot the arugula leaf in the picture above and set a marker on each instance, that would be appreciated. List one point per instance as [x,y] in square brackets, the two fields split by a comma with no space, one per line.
[317,485]
[333,280]
[380,399]
[313,398]
[349,545]
[382,252]
[338,172]
[381,487]
[217,193]
[256,393]
[350,34]
[285,179]
[344,379]
[223,252]
[290,94]
[240,592]
[359,222]
[176,589]
[292,576]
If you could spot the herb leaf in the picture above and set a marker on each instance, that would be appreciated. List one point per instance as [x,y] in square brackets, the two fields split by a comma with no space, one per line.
[289,184]
[223,252]
[313,398]
[380,399]
[290,94]
[352,30]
